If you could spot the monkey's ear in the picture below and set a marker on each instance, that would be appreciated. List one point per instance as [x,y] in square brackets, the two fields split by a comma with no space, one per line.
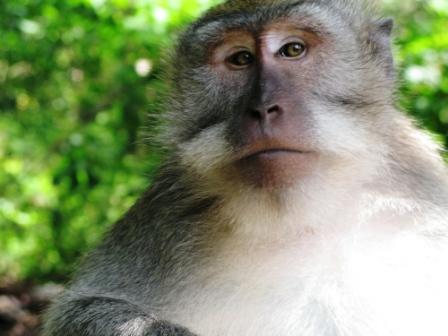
[385,26]
[381,44]
[380,34]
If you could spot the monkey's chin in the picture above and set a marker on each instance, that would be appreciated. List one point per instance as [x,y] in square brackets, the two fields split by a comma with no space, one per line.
[276,168]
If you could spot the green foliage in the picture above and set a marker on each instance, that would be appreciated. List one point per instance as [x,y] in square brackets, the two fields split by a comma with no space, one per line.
[422,36]
[77,78]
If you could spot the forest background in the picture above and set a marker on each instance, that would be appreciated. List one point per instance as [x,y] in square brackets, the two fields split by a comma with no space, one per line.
[77,81]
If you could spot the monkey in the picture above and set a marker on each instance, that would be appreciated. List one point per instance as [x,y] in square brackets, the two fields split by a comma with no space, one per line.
[295,197]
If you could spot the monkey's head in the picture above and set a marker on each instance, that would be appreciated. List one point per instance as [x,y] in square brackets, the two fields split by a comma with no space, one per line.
[269,93]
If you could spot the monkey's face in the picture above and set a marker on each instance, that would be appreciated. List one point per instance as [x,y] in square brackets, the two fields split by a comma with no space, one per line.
[271,134]
[271,95]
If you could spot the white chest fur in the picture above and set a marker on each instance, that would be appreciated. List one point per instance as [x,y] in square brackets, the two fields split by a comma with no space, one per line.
[352,284]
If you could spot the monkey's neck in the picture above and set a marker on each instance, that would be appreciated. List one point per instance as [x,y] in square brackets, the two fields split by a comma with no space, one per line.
[394,195]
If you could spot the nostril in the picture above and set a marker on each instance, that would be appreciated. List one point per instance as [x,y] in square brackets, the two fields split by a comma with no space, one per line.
[263,112]
[273,109]
[255,114]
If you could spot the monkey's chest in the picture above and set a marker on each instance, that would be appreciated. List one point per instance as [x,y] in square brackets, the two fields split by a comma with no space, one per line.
[377,289]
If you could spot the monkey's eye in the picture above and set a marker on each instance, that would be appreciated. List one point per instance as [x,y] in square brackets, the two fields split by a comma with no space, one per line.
[292,50]
[241,59]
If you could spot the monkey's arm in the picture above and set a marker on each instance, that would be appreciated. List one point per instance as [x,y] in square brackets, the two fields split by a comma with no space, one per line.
[113,292]
[105,316]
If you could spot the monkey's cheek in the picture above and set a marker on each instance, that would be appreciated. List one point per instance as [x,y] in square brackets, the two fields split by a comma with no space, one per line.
[279,169]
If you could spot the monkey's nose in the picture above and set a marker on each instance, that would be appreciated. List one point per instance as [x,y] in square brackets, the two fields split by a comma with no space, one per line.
[263,113]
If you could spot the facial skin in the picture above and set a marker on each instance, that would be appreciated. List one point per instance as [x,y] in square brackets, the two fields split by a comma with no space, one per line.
[269,149]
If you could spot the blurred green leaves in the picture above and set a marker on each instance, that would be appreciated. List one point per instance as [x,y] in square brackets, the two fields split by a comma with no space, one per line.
[77,78]
[422,35]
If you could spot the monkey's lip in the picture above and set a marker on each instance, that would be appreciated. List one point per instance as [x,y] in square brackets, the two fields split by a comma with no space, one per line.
[270,150]
[273,152]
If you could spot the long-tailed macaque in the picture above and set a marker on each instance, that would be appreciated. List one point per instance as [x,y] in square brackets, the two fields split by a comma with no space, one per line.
[295,200]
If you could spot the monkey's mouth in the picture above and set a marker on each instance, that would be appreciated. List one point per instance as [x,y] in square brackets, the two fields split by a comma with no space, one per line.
[273,152]
[274,164]
[270,149]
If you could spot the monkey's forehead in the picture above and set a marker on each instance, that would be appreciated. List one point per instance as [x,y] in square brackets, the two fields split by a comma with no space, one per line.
[235,5]
[355,10]
[250,5]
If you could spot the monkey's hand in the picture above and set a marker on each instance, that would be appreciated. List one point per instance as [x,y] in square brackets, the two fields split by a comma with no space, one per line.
[165,328]
[77,314]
